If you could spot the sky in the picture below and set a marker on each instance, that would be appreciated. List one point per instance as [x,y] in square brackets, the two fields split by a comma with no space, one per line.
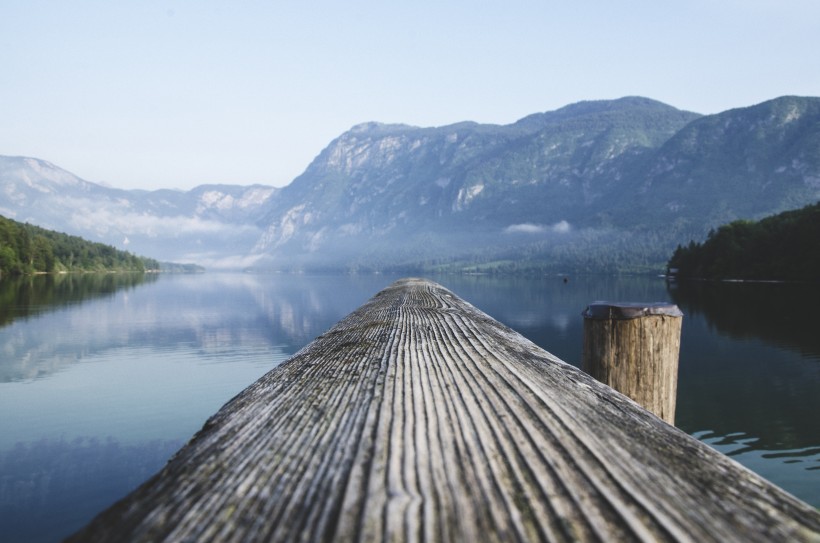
[172,94]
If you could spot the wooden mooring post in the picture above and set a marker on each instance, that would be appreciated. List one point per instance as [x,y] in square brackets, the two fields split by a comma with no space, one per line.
[634,347]
[419,418]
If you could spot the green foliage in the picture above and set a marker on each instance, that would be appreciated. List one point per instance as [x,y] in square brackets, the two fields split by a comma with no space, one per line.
[27,249]
[784,246]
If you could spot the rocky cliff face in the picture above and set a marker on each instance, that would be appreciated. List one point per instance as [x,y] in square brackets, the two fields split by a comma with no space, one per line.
[439,192]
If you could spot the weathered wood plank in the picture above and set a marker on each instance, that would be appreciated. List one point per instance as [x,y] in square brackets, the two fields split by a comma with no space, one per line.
[417,417]
[634,348]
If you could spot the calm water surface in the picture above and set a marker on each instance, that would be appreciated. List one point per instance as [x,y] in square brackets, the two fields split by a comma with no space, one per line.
[102,378]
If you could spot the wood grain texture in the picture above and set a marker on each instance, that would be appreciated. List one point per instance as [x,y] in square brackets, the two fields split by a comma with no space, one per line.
[637,357]
[419,418]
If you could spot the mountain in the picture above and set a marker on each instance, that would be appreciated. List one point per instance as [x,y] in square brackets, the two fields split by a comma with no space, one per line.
[594,186]
[211,224]
[382,194]
[610,185]
[743,163]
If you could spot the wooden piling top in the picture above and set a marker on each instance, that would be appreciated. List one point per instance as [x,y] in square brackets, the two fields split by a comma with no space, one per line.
[418,417]
[633,347]
[629,310]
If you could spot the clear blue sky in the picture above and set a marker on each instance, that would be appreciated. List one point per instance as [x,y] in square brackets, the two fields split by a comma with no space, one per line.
[171,94]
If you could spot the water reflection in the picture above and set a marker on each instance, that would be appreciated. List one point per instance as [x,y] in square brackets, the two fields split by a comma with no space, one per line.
[209,314]
[782,314]
[47,484]
[759,374]
[749,382]
[26,296]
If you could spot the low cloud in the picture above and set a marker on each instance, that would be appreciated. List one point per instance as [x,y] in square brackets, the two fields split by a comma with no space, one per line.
[561,227]
[525,228]
[215,261]
[120,219]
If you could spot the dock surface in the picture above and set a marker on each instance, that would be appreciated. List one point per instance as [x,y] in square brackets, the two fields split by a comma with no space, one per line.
[420,418]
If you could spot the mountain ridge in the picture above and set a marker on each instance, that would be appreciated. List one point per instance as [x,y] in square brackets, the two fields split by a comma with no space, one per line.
[602,185]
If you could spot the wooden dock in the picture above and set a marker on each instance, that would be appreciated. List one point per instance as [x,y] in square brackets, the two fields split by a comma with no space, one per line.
[419,418]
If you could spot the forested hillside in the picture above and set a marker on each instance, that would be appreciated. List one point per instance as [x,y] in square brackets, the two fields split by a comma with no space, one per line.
[784,246]
[26,249]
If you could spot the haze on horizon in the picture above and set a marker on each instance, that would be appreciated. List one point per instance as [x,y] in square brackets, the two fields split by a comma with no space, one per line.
[173,94]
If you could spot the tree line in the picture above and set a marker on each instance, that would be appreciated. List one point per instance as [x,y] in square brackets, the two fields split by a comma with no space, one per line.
[27,249]
[781,247]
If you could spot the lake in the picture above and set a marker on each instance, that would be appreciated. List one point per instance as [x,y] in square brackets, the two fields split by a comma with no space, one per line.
[103,377]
